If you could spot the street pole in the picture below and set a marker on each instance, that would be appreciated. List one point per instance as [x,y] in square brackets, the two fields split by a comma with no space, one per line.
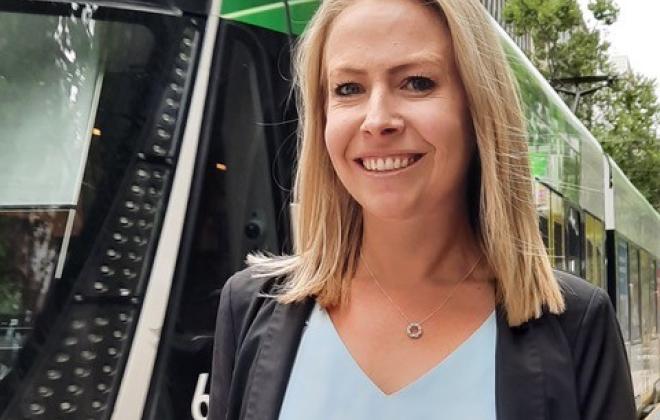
[575,82]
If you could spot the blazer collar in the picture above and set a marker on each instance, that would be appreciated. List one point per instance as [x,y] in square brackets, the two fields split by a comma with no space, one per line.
[274,361]
[519,380]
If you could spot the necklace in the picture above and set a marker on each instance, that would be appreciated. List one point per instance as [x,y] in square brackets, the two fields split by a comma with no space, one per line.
[414,329]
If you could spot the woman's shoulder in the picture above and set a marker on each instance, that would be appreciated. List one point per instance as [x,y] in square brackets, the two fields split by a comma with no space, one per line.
[598,352]
[578,293]
[246,283]
[245,297]
[587,305]
[247,286]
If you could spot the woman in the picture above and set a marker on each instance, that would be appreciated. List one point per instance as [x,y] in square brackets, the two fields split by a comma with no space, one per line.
[420,287]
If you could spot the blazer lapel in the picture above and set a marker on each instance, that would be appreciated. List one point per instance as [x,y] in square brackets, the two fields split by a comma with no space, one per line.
[519,380]
[274,361]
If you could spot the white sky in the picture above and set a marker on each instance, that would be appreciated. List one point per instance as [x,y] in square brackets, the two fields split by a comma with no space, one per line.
[636,34]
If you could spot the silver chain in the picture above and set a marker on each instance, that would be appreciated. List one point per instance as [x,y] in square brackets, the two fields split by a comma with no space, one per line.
[436,310]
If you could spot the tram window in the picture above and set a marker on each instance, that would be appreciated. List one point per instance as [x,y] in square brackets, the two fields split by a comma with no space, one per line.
[557,227]
[44,118]
[653,300]
[647,307]
[635,294]
[594,250]
[77,96]
[45,113]
[573,243]
[543,210]
[657,296]
[543,226]
[622,287]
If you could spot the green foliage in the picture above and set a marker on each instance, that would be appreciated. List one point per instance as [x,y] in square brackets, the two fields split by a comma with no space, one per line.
[582,53]
[10,291]
[605,11]
[563,46]
[546,21]
[10,298]
[626,117]
[627,127]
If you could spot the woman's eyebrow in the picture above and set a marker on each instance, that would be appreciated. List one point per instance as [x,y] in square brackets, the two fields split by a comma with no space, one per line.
[411,61]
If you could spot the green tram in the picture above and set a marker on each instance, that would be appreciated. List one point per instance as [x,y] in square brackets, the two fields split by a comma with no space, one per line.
[147,145]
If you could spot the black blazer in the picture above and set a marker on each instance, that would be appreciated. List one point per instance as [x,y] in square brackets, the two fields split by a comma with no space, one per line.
[567,367]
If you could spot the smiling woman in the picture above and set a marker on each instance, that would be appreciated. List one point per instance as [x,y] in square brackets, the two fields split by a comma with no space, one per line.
[419,278]
[397,103]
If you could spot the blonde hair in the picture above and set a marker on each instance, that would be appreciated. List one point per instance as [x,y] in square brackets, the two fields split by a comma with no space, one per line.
[328,223]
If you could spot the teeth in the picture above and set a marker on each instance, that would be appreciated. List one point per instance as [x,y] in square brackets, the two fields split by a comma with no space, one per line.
[387,164]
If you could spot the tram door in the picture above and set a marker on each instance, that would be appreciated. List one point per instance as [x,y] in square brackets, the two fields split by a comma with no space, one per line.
[239,204]
[100,164]
[92,110]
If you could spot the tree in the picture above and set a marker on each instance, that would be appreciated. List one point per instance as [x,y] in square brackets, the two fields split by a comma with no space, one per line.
[562,45]
[605,11]
[626,117]
[628,131]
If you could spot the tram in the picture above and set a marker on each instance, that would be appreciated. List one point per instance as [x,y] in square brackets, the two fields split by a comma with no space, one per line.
[146,146]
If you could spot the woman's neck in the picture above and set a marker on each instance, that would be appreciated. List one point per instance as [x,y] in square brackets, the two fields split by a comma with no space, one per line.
[420,250]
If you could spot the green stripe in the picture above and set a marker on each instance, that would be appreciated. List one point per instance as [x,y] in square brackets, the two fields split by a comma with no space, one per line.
[270,14]
[233,6]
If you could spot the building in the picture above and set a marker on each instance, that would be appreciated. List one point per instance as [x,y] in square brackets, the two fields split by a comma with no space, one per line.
[621,64]
[496,10]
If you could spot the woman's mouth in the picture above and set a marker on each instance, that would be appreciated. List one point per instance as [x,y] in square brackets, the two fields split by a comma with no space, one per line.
[389,163]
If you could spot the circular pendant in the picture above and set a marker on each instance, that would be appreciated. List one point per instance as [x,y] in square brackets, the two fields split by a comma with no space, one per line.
[414,330]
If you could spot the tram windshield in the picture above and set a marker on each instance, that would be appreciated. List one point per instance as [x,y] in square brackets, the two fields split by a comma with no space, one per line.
[50,74]
[80,89]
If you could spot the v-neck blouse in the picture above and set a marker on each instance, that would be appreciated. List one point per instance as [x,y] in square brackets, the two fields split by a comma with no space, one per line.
[326,383]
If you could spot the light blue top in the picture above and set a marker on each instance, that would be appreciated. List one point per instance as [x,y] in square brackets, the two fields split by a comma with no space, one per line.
[327,384]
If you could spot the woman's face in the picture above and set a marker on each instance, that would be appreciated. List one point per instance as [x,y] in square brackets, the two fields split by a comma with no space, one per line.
[398,127]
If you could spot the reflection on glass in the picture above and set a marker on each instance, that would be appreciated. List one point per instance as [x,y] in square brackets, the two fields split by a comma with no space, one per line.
[594,250]
[75,97]
[50,75]
[635,312]
[553,140]
[646,276]
[543,210]
[657,297]
[557,227]
[30,245]
[623,307]
[573,241]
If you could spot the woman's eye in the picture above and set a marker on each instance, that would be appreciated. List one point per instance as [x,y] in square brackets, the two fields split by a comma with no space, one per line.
[346,89]
[419,84]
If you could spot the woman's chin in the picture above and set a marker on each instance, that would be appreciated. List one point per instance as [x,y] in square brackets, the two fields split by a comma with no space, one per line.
[390,210]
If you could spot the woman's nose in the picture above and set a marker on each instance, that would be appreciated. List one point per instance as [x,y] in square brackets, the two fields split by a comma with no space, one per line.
[380,118]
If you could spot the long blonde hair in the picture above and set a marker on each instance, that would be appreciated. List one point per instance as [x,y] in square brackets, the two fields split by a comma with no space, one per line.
[327,225]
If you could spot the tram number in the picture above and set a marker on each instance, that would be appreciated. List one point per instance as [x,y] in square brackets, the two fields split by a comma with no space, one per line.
[200,402]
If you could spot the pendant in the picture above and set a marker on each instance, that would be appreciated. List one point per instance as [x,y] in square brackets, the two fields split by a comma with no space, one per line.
[414,330]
